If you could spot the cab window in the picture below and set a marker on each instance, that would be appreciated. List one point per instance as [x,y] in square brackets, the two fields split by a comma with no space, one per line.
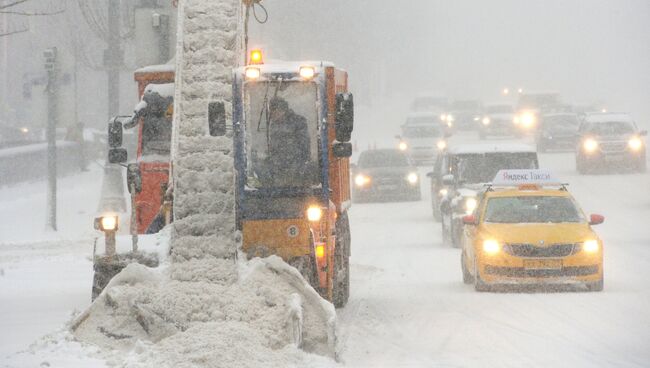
[532,209]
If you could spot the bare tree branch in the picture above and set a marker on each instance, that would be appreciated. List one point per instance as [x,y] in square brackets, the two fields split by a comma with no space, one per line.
[16,2]
[9,33]
[32,14]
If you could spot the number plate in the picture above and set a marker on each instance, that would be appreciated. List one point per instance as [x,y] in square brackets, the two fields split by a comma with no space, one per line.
[542,264]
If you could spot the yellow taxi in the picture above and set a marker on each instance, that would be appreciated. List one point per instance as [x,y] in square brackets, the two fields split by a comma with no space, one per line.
[528,229]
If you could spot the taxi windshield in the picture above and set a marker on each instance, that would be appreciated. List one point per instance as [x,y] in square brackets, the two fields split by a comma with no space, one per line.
[481,168]
[532,209]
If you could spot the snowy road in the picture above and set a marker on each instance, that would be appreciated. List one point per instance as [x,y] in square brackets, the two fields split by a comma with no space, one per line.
[408,306]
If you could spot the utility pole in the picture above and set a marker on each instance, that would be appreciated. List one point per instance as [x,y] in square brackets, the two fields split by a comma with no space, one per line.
[52,116]
[113,58]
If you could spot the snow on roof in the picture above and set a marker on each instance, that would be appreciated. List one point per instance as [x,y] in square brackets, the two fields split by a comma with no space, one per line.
[535,93]
[164,89]
[608,117]
[169,67]
[478,148]
[277,66]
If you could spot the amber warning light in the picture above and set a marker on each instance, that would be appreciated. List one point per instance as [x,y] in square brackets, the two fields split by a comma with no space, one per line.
[256,57]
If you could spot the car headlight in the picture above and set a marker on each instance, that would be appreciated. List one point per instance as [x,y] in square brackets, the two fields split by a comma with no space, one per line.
[441,145]
[491,246]
[486,121]
[635,144]
[590,145]
[470,205]
[591,246]
[403,146]
[314,213]
[477,118]
[443,117]
[412,178]
[443,192]
[361,180]
[527,119]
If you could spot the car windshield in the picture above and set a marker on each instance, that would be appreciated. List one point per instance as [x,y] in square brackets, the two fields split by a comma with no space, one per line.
[610,128]
[481,168]
[532,209]
[499,109]
[282,131]
[423,120]
[465,106]
[156,125]
[387,158]
[421,131]
[560,123]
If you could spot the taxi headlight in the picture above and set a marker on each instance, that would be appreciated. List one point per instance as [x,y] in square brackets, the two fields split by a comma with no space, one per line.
[412,178]
[590,246]
[470,205]
[491,246]
[590,145]
[443,192]
[361,180]
[635,144]
[403,146]
[441,145]
[486,121]
[314,213]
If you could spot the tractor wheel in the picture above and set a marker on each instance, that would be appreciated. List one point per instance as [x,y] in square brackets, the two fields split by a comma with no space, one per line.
[342,260]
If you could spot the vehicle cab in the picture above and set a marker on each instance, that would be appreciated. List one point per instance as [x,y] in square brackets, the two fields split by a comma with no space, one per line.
[610,139]
[557,131]
[292,125]
[528,229]
[385,174]
[461,173]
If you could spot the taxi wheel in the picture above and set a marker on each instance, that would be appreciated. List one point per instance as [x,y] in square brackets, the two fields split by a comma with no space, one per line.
[479,285]
[467,277]
[596,286]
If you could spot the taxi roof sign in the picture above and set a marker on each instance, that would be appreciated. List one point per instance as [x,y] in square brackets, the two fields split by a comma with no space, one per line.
[519,177]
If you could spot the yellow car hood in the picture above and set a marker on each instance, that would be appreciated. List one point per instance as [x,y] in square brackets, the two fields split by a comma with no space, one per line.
[534,233]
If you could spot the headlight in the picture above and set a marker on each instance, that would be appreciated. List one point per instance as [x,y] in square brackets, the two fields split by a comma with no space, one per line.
[361,180]
[403,146]
[443,192]
[443,117]
[590,145]
[590,246]
[441,145]
[477,118]
[24,130]
[516,120]
[107,223]
[635,144]
[252,73]
[449,123]
[491,246]
[314,213]
[307,72]
[412,178]
[486,121]
[527,119]
[470,205]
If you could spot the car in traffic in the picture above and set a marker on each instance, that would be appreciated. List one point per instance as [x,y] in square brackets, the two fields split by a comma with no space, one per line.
[531,105]
[557,131]
[527,229]
[464,115]
[423,137]
[610,140]
[498,120]
[460,175]
[384,175]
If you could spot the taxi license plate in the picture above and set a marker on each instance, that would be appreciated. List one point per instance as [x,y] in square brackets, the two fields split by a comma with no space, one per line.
[542,264]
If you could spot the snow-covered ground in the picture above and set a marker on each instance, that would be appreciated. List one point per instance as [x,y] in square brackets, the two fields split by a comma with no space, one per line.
[408,306]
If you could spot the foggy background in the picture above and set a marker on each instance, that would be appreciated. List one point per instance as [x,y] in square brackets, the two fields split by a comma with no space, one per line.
[591,51]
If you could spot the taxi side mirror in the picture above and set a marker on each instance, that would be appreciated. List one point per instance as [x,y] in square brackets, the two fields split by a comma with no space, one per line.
[596,219]
[469,220]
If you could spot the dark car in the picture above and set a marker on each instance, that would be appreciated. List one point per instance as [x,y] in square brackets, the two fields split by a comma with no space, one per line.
[385,174]
[460,174]
[609,140]
[498,120]
[557,132]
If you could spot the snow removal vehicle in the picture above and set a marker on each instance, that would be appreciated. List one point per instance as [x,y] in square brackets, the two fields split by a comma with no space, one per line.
[292,126]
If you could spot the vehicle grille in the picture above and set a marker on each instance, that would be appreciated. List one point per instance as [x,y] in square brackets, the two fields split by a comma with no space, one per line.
[613,146]
[531,250]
